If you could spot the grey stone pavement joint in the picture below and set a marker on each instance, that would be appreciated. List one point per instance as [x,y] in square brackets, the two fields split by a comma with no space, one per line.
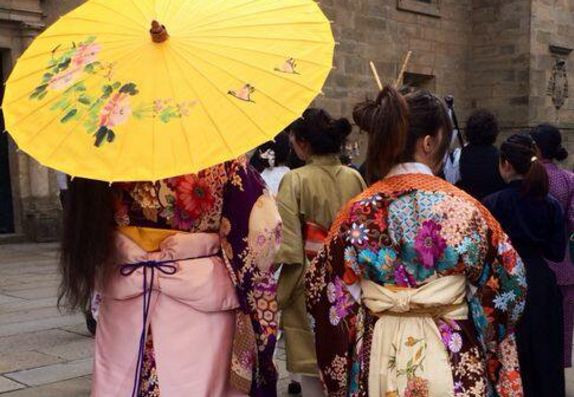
[46,353]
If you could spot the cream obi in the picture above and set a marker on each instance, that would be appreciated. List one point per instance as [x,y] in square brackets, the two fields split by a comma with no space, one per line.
[407,346]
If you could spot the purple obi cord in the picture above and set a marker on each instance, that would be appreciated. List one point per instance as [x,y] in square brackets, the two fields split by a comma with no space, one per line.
[166,267]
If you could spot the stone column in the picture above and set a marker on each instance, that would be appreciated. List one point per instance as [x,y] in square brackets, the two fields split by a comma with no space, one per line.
[40,206]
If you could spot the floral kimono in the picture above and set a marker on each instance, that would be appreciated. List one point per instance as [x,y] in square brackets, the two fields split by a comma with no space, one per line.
[416,293]
[193,254]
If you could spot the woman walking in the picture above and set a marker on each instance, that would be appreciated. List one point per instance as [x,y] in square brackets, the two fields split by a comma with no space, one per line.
[549,141]
[388,294]
[535,223]
[308,201]
[188,306]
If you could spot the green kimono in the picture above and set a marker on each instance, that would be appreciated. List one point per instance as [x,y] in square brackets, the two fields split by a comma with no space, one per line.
[314,193]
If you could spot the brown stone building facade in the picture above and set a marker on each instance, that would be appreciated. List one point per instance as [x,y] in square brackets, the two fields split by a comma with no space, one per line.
[510,56]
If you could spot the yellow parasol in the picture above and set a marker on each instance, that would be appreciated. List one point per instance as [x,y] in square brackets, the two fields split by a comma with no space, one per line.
[101,96]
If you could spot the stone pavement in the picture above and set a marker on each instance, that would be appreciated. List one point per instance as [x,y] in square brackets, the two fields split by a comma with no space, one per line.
[45,353]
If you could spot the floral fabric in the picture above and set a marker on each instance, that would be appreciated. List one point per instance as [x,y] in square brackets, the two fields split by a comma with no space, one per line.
[229,199]
[405,232]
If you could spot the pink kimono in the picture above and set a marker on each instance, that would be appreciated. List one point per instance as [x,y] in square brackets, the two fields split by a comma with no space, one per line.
[199,248]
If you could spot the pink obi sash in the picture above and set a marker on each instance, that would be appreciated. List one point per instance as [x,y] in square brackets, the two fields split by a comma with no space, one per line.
[184,294]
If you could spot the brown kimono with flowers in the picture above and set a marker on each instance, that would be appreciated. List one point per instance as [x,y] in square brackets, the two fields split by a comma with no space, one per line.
[405,232]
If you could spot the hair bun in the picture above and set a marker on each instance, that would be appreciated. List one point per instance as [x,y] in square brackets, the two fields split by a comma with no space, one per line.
[561,154]
[363,114]
[342,127]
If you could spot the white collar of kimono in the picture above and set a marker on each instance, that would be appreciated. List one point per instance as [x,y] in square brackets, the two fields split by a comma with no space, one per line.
[409,168]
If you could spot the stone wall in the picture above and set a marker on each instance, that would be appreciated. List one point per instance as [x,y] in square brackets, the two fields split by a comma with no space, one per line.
[498,75]
[552,39]
[378,30]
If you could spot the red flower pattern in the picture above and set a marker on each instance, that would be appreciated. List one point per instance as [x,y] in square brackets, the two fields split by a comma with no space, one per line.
[194,195]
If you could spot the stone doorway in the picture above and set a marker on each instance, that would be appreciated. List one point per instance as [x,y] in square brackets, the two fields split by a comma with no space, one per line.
[6,203]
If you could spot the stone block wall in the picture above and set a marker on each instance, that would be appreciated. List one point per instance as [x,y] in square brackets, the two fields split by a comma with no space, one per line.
[379,31]
[498,76]
[552,40]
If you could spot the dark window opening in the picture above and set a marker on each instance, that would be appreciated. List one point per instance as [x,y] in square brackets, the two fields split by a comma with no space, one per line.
[6,207]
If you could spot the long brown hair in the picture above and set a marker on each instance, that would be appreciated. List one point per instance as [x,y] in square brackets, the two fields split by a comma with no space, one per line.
[87,240]
[521,152]
[395,123]
[386,121]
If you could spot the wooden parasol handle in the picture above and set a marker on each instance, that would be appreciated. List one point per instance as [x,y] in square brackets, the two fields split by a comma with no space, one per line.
[403,69]
[158,32]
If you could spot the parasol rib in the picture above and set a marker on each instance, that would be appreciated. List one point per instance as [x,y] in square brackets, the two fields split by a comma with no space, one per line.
[294,24]
[172,89]
[268,96]
[233,103]
[51,101]
[195,93]
[34,136]
[259,13]
[73,18]
[282,56]
[114,11]
[43,69]
[269,72]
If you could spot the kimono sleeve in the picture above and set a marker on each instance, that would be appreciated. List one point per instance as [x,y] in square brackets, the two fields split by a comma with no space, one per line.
[555,247]
[334,311]
[498,302]
[292,250]
[250,236]
[251,225]
[292,253]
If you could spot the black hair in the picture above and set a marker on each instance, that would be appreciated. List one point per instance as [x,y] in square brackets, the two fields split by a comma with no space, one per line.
[395,123]
[549,140]
[521,152]
[482,128]
[87,241]
[281,150]
[324,134]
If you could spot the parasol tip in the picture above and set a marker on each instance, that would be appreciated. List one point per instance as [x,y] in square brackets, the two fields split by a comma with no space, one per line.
[158,32]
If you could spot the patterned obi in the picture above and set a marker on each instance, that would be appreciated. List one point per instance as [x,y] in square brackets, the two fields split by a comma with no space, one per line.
[406,334]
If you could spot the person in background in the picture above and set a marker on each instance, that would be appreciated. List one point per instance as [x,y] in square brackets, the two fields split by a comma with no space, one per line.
[308,201]
[271,158]
[549,141]
[479,158]
[534,221]
[193,254]
[418,290]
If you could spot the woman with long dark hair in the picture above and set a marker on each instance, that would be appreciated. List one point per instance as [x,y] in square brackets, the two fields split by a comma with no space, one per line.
[309,198]
[561,186]
[188,304]
[418,290]
[535,223]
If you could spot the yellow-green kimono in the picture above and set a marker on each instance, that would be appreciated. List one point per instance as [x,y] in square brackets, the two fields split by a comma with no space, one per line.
[311,194]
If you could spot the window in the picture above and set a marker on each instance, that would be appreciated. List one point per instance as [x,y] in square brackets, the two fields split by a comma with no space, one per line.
[425,7]
[418,80]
